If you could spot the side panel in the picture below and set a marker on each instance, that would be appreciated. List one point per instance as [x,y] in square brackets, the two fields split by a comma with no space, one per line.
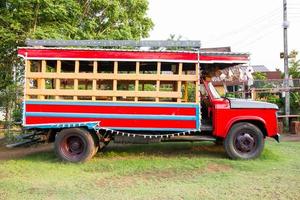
[115,115]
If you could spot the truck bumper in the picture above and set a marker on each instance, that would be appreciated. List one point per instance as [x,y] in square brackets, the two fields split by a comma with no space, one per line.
[277,137]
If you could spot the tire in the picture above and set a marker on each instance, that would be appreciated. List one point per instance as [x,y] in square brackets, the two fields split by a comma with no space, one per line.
[74,145]
[244,141]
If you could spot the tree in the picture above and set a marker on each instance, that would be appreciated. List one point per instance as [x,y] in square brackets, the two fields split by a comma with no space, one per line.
[294,66]
[63,19]
[294,71]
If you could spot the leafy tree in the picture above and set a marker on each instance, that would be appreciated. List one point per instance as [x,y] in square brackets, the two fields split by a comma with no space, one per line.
[259,76]
[294,68]
[294,71]
[62,19]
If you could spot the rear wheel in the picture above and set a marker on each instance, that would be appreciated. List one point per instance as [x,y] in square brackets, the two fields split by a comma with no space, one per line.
[244,141]
[75,145]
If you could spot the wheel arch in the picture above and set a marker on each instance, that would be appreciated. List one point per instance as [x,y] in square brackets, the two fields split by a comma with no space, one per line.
[259,122]
[53,132]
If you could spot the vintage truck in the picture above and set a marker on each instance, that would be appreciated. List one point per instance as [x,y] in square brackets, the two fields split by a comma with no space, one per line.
[83,98]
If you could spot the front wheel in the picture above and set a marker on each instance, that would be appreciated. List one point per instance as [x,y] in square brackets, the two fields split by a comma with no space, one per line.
[244,141]
[75,145]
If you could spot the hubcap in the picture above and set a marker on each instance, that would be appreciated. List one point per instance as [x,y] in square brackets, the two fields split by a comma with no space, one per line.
[73,146]
[245,143]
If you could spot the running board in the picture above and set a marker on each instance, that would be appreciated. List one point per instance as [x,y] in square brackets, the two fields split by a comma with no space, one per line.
[189,139]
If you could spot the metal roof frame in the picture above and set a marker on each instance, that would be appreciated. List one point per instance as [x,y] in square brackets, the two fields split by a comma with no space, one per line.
[115,43]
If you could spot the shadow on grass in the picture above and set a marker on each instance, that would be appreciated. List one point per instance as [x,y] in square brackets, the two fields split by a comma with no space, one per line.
[185,149]
[167,150]
[199,149]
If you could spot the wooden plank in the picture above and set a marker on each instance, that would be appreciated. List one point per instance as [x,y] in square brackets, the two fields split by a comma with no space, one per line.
[179,82]
[137,71]
[26,80]
[43,66]
[158,68]
[144,77]
[41,81]
[197,92]
[58,71]
[115,81]
[58,67]
[94,88]
[157,89]
[76,67]
[95,67]
[136,89]
[104,93]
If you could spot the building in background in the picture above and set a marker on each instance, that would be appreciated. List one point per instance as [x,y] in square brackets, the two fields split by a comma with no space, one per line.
[238,80]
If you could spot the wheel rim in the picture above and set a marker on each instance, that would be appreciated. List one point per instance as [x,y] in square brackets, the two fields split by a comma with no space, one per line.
[246,143]
[73,147]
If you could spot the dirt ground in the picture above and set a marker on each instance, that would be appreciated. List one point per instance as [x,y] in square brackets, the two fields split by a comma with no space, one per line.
[15,153]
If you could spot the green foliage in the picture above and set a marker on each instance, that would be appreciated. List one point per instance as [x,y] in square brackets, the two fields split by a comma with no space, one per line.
[62,19]
[294,68]
[295,102]
[259,76]
[233,95]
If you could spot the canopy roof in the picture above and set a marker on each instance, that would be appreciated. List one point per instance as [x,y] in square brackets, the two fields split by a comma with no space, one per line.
[50,53]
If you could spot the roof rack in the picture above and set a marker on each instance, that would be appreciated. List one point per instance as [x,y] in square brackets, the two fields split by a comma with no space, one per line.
[115,43]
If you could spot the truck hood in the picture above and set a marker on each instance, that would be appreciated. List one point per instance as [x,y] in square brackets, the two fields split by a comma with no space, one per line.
[247,103]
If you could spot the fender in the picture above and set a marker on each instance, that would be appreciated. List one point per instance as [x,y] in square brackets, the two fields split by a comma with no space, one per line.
[242,118]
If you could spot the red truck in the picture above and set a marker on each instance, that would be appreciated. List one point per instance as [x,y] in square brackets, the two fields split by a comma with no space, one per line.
[83,98]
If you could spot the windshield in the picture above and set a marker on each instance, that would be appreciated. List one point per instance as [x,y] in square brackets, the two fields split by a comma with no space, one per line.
[213,91]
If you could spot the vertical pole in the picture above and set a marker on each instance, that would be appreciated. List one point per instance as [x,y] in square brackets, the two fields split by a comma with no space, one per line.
[136,88]
[286,62]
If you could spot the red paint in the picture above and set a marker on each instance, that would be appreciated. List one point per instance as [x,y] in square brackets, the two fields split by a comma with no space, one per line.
[130,123]
[110,109]
[224,117]
[119,55]
[104,54]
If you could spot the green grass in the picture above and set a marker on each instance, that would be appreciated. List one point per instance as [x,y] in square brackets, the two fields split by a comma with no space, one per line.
[157,171]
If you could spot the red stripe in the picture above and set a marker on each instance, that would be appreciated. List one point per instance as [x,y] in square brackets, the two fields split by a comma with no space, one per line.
[129,123]
[110,109]
[102,54]
[135,55]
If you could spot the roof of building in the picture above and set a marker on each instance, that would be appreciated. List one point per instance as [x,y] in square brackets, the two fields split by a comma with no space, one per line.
[256,68]
[260,68]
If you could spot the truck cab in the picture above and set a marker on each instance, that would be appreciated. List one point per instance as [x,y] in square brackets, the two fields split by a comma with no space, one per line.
[241,124]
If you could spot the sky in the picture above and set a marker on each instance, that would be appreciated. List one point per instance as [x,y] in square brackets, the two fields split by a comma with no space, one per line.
[253,26]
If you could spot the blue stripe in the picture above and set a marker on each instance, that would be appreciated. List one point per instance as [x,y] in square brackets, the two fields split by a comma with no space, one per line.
[110,116]
[198,118]
[89,125]
[113,104]
[149,129]
[115,128]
